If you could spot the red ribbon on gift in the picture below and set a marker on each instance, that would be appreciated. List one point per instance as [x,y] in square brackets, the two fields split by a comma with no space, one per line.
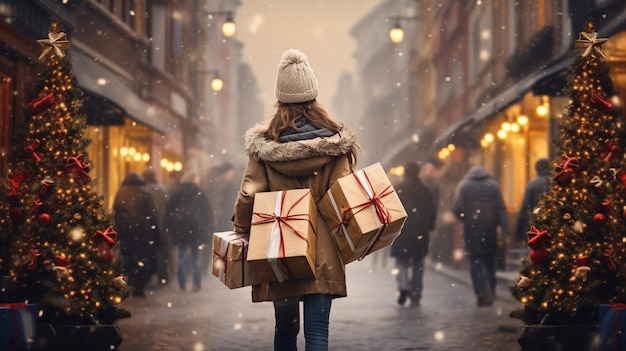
[14,306]
[613,151]
[78,168]
[108,235]
[568,166]
[31,150]
[15,181]
[34,253]
[266,218]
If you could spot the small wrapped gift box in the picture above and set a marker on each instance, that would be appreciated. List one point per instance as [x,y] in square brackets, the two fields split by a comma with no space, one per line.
[612,326]
[229,259]
[364,212]
[282,236]
[18,326]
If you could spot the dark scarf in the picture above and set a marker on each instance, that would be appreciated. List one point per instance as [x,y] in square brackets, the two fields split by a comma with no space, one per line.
[305,131]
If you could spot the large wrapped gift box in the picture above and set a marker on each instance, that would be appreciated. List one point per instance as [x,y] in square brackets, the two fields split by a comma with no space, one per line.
[612,326]
[229,259]
[18,326]
[282,236]
[363,211]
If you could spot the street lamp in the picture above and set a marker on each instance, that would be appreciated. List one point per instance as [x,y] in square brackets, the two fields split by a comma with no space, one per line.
[396,34]
[216,82]
[228,27]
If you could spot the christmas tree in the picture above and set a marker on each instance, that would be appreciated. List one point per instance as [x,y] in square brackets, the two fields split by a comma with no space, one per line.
[576,234]
[56,238]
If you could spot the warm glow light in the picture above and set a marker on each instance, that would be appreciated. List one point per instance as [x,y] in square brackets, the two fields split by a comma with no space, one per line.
[145,157]
[502,134]
[164,162]
[451,147]
[542,110]
[488,137]
[217,84]
[506,126]
[522,120]
[396,34]
[123,151]
[178,166]
[137,156]
[515,127]
[229,27]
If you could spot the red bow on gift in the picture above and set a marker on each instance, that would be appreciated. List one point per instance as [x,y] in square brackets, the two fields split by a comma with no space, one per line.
[78,168]
[15,181]
[613,151]
[108,235]
[568,167]
[31,150]
[537,240]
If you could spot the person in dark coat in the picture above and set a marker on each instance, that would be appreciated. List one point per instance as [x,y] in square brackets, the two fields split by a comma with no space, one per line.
[411,247]
[138,229]
[479,204]
[159,194]
[533,191]
[188,221]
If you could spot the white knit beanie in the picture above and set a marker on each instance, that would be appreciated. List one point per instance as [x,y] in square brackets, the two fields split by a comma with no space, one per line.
[295,80]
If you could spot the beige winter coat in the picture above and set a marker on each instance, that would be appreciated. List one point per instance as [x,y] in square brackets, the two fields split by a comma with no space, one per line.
[315,164]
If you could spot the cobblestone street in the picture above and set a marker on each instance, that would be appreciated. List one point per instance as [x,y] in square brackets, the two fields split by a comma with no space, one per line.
[217,318]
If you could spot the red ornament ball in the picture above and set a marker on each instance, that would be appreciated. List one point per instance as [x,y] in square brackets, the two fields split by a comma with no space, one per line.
[15,213]
[599,219]
[105,252]
[44,219]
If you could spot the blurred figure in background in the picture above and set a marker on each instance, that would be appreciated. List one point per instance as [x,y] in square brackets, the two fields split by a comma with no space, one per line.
[188,221]
[479,205]
[159,194]
[533,191]
[411,247]
[137,224]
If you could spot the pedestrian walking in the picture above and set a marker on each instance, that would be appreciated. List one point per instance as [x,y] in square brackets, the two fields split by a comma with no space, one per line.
[188,221]
[137,226]
[532,193]
[411,247]
[301,146]
[159,194]
[479,205]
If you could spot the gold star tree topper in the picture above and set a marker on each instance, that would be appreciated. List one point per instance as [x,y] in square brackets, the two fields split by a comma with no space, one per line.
[56,43]
[588,42]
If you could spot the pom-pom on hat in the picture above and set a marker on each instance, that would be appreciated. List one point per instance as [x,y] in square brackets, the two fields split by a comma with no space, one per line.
[295,80]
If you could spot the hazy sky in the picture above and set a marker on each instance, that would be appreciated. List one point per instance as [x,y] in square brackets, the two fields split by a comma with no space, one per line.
[320,29]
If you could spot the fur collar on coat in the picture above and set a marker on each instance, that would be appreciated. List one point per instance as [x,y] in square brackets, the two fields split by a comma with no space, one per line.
[259,147]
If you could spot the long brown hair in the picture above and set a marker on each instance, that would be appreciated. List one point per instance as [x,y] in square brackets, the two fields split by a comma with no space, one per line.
[287,114]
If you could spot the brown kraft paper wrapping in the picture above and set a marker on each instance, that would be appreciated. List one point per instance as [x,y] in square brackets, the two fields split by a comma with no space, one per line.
[364,212]
[282,236]
[229,259]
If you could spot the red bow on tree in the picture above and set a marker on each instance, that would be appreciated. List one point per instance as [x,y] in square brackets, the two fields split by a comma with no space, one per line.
[537,240]
[568,166]
[605,105]
[39,104]
[15,181]
[108,235]
[613,151]
[34,253]
[608,259]
[31,150]
[78,168]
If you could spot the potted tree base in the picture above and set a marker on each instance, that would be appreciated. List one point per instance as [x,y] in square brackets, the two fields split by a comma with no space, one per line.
[576,337]
[67,337]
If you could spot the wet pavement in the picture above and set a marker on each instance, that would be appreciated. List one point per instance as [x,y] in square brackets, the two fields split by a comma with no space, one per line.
[217,318]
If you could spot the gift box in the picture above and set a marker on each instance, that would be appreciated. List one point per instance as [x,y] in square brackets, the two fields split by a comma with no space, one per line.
[229,259]
[282,236]
[18,326]
[612,326]
[363,211]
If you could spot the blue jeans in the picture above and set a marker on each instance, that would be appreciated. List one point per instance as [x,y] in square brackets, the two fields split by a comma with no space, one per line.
[316,317]
[183,250]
